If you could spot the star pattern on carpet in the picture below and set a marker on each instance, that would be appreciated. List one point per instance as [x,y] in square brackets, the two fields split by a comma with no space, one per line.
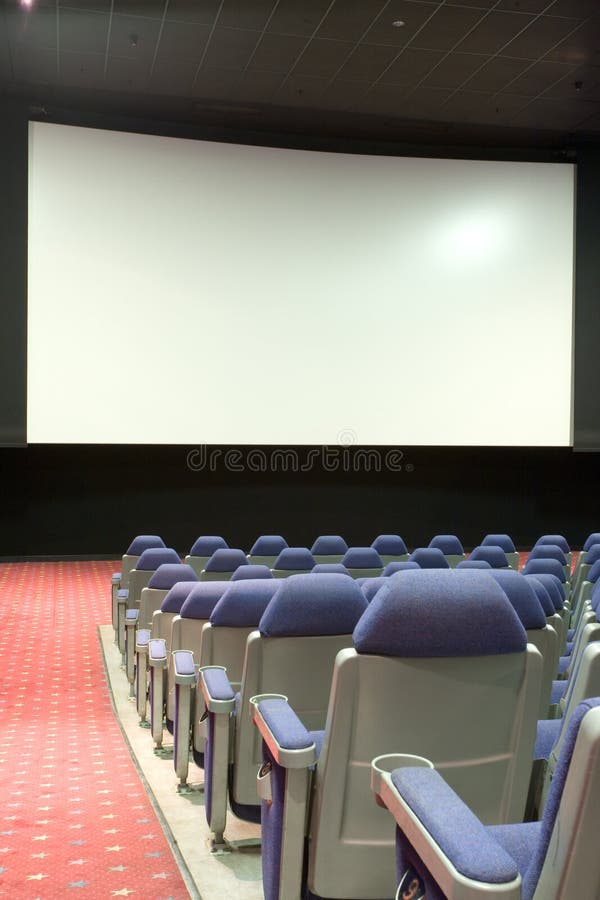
[64,766]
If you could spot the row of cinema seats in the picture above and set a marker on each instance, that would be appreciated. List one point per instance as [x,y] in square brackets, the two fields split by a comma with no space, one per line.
[455,667]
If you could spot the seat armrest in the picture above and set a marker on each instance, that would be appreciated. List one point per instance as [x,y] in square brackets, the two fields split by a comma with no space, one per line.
[218,694]
[142,639]
[289,742]
[183,667]
[122,595]
[116,578]
[457,849]
[157,653]
[131,617]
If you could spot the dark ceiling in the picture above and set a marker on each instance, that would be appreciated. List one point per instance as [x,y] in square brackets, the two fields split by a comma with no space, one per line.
[503,71]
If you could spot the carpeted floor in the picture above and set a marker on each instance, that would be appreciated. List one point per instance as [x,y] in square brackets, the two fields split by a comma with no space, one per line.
[74,818]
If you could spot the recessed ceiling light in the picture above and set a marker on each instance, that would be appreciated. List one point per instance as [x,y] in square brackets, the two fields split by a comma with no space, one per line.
[398,23]
[27,3]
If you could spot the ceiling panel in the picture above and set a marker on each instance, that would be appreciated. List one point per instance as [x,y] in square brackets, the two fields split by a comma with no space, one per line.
[231,48]
[182,40]
[37,29]
[583,46]
[554,113]
[448,27]
[199,12]
[494,31]
[497,73]
[539,77]
[215,83]
[291,17]
[383,99]
[39,66]
[242,14]
[82,31]
[82,69]
[127,74]
[98,5]
[341,94]
[367,62]
[323,58]
[300,90]
[577,8]
[134,38]
[277,53]
[258,86]
[411,66]
[349,19]
[540,37]
[414,15]
[423,103]
[454,70]
[175,77]
[526,6]
[587,78]
[152,8]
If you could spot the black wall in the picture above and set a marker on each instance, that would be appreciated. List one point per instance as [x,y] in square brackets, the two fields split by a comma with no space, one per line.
[88,500]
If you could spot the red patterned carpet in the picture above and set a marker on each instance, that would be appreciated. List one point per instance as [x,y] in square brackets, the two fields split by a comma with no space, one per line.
[74,818]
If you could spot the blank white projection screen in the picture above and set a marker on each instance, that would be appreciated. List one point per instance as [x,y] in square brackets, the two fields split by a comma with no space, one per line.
[186,292]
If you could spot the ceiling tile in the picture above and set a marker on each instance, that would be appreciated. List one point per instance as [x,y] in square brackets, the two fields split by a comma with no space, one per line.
[81,31]
[38,66]
[300,90]
[475,4]
[493,32]
[497,109]
[593,124]
[454,70]
[201,12]
[382,99]
[580,47]
[526,6]
[540,37]
[367,62]
[447,27]
[126,30]
[580,9]
[242,14]
[180,40]
[231,48]
[82,69]
[554,114]
[258,86]
[588,76]
[215,83]
[98,5]
[36,28]
[277,53]
[423,103]
[463,106]
[342,94]
[411,66]
[497,73]
[322,58]
[151,8]
[349,19]
[538,78]
[414,15]
[291,17]
[127,74]
[175,77]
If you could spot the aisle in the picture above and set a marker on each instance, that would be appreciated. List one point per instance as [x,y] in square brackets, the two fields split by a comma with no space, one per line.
[75,819]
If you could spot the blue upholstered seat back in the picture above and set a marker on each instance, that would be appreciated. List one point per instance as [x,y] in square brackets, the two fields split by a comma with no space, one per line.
[226,560]
[329,545]
[449,544]
[545,567]
[294,558]
[169,574]
[557,540]
[251,572]
[429,558]
[268,545]
[548,551]
[177,596]
[389,545]
[440,614]
[491,553]
[473,564]
[151,559]
[144,542]
[202,599]
[553,586]
[243,603]
[400,566]
[362,558]
[499,540]
[541,592]
[206,545]
[593,538]
[331,568]
[521,596]
[313,605]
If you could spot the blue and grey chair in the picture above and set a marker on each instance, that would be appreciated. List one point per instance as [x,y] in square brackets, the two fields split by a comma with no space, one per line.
[506,542]
[551,551]
[362,562]
[329,548]
[251,572]
[391,548]
[552,617]
[494,555]
[138,627]
[331,568]
[293,561]
[159,650]
[222,564]
[266,549]
[523,598]
[202,549]
[309,619]
[585,579]
[120,580]
[440,668]
[444,850]
[404,566]
[450,546]
[474,564]
[370,586]
[556,540]
[429,558]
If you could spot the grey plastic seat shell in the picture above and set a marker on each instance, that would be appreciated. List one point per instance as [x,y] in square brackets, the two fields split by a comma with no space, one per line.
[351,844]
